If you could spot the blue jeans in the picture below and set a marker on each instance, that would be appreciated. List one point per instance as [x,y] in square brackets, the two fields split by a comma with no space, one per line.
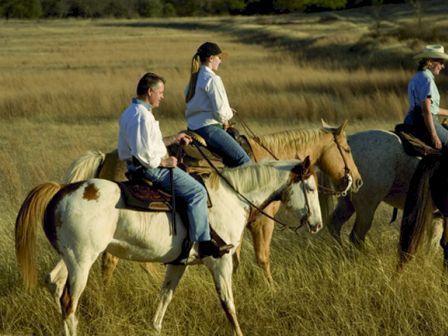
[441,131]
[422,130]
[192,194]
[221,143]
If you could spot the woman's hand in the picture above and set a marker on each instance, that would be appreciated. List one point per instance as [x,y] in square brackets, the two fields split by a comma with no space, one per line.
[183,139]
[436,141]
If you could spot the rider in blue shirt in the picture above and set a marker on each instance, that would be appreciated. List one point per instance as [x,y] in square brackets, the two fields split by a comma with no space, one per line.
[424,98]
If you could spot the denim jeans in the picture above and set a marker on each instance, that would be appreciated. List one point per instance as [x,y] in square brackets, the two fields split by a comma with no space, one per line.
[442,132]
[422,131]
[190,192]
[221,143]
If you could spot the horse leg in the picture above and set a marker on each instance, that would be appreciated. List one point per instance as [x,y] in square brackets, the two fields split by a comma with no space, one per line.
[344,210]
[56,280]
[237,256]
[149,268]
[261,230]
[221,270]
[78,273]
[362,225]
[108,264]
[173,275]
[444,243]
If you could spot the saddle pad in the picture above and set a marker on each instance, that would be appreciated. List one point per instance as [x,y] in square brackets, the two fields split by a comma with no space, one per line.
[143,196]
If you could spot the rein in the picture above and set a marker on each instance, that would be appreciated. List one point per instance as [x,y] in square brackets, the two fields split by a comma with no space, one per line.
[329,191]
[272,198]
[254,136]
[322,189]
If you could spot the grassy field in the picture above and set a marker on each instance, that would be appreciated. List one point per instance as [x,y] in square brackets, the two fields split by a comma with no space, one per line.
[63,85]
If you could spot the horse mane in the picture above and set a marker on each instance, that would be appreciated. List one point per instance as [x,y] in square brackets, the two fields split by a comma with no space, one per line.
[292,141]
[251,176]
[418,209]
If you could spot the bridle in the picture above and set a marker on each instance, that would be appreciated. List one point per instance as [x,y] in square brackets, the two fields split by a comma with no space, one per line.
[347,176]
[322,189]
[275,196]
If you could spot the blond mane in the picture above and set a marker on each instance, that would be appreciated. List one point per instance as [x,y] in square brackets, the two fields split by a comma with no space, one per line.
[293,141]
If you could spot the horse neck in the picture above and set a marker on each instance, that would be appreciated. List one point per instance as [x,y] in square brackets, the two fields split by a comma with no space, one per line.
[293,144]
[256,182]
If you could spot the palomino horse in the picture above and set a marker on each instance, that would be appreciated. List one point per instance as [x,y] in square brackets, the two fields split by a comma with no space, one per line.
[428,188]
[386,171]
[326,146]
[84,219]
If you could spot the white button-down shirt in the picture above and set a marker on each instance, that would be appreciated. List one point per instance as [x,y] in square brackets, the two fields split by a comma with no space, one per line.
[209,104]
[140,135]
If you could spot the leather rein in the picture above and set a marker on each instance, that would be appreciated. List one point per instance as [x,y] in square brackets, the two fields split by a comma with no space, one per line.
[322,189]
[275,196]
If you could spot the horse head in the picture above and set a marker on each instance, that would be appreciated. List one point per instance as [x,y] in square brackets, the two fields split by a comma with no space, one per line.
[300,198]
[337,160]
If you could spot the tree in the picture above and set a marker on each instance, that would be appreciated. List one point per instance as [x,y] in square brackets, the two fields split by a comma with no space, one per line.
[169,10]
[236,6]
[21,9]
[418,7]
[115,8]
[54,8]
[149,8]
[303,5]
[377,4]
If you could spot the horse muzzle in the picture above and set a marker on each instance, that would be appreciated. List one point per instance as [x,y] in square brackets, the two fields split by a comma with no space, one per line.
[312,228]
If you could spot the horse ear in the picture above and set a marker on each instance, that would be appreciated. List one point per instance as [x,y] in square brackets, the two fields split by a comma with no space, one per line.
[342,127]
[324,124]
[301,170]
[306,163]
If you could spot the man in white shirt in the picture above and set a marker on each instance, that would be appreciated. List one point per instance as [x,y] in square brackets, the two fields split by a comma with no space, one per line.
[140,143]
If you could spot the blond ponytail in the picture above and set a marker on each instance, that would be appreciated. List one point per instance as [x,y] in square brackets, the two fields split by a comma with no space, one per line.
[195,66]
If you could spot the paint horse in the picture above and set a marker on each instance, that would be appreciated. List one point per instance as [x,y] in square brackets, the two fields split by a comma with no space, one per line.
[84,219]
[428,190]
[326,146]
[386,171]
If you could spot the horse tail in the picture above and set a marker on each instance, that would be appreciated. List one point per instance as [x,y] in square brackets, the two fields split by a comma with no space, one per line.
[418,209]
[85,167]
[326,200]
[30,215]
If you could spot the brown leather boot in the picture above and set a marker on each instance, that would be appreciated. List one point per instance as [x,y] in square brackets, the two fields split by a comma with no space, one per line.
[210,248]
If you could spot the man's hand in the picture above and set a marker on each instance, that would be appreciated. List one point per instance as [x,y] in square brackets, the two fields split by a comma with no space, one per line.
[183,139]
[169,162]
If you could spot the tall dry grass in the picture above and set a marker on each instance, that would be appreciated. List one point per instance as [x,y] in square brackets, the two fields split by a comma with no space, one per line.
[63,85]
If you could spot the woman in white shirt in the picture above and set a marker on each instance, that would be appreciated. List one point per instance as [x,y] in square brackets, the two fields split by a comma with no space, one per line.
[208,111]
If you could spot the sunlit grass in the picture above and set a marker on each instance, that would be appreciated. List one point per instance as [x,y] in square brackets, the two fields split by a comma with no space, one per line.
[63,86]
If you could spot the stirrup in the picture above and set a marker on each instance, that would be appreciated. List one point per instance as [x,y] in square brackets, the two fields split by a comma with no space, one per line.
[212,248]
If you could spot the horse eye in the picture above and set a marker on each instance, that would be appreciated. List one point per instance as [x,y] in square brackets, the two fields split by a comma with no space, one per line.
[310,188]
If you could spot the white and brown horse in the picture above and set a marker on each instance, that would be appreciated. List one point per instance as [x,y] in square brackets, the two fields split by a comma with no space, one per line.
[326,146]
[84,219]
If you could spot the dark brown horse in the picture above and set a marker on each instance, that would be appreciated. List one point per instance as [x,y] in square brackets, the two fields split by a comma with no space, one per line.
[428,191]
